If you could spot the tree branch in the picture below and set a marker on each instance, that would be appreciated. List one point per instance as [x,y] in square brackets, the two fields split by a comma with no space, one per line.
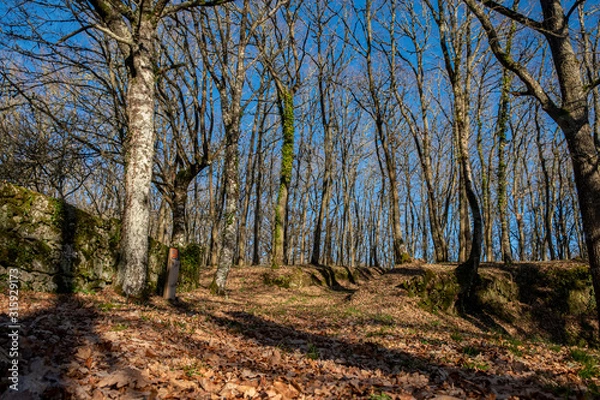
[97,27]
[533,86]
[514,15]
[592,85]
[573,8]
[186,5]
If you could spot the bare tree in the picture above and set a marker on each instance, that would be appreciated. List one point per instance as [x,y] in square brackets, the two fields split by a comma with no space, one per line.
[379,109]
[186,110]
[134,27]
[228,67]
[417,30]
[459,54]
[283,55]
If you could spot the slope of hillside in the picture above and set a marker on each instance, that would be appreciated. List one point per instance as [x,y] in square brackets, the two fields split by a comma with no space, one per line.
[370,341]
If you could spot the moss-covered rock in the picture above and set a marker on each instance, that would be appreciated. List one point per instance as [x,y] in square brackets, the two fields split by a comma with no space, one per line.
[496,293]
[288,277]
[59,248]
[552,300]
[438,291]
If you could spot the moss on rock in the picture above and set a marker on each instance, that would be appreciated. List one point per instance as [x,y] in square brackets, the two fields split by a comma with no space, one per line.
[437,291]
[290,277]
[58,247]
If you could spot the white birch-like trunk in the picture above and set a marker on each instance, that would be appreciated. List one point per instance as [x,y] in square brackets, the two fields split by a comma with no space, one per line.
[139,158]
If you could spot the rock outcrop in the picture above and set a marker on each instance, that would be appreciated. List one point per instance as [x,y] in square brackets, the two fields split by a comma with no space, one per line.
[60,248]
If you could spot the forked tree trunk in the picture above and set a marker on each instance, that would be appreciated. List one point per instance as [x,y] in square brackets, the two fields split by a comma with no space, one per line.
[179,237]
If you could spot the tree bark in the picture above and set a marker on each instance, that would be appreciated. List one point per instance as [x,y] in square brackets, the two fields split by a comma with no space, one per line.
[251,164]
[180,195]
[501,174]
[548,197]
[230,212]
[139,158]
[258,194]
[326,187]
[501,128]
[467,271]
[286,113]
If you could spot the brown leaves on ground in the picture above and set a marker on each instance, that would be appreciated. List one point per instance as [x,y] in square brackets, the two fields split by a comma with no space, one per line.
[367,342]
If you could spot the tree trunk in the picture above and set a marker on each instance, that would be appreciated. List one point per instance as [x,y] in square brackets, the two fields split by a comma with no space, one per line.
[572,116]
[464,238]
[502,184]
[586,159]
[286,113]
[326,188]
[548,186]
[467,271]
[501,128]
[180,195]
[139,159]
[258,194]
[179,236]
[251,164]
[161,233]
[213,256]
[486,193]
[230,217]
[400,252]
[304,236]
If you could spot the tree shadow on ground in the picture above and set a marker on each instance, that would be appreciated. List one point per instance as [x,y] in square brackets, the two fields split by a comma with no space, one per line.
[49,340]
[56,339]
[59,343]
[366,355]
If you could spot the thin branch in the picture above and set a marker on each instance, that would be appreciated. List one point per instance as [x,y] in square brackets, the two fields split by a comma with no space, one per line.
[186,5]
[573,8]
[514,15]
[98,27]
[533,86]
[592,85]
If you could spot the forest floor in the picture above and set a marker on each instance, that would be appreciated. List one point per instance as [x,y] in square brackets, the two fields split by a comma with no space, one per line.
[367,342]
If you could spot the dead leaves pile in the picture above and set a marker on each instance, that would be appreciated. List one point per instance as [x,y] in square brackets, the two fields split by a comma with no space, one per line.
[271,343]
